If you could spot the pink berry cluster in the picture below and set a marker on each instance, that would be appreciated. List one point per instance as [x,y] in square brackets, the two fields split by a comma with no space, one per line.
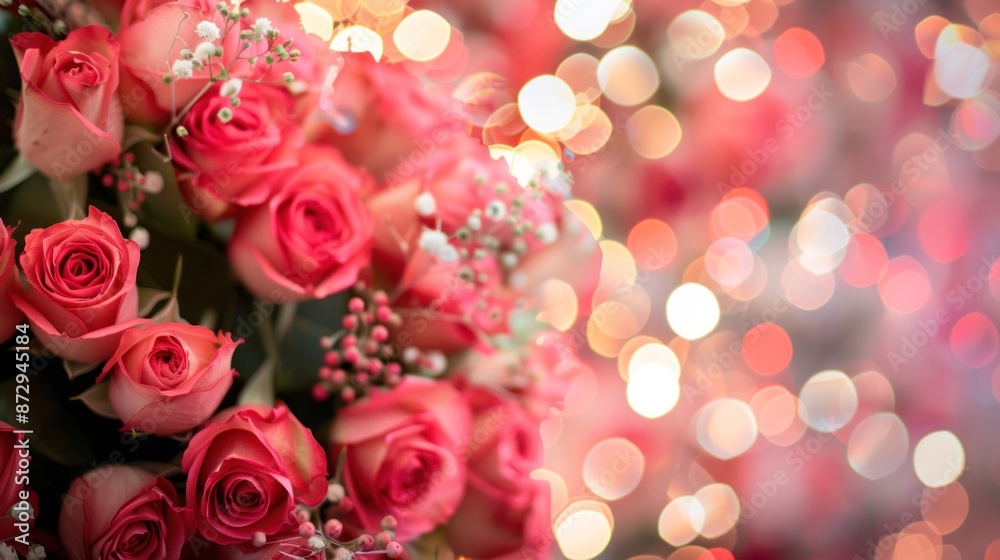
[131,183]
[312,542]
[362,354]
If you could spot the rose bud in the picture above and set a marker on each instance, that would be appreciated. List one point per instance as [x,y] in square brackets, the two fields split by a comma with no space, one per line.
[246,471]
[402,455]
[10,316]
[168,378]
[69,120]
[120,511]
[79,292]
[311,239]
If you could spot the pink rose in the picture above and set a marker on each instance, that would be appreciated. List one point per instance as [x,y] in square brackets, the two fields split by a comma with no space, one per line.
[383,118]
[10,316]
[448,305]
[402,455]
[79,290]
[123,512]
[69,120]
[504,449]
[311,238]
[538,375]
[221,163]
[151,33]
[248,469]
[168,378]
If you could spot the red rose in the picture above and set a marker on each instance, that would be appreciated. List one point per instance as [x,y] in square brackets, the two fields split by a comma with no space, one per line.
[312,237]
[153,32]
[248,469]
[402,455]
[221,163]
[80,293]
[123,512]
[10,316]
[504,449]
[69,120]
[168,378]
[382,117]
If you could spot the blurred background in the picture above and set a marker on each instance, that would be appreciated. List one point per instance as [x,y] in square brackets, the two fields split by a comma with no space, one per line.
[792,340]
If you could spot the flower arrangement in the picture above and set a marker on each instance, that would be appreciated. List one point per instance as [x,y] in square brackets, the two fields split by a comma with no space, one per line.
[272,299]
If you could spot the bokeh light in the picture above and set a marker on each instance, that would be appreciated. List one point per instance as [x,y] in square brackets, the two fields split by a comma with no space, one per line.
[878,446]
[692,311]
[653,132]
[627,76]
[546,103]
[583,529]
[828,401]
[767,349]
[726,428]
[741,74]
[798,53]
[938,459]
[652,390]
[613,468]
[422,35]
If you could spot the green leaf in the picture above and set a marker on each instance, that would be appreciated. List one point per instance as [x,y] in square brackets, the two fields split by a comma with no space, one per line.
[16,173]
[76,369]
[96,399]
[260,388]
[149,298]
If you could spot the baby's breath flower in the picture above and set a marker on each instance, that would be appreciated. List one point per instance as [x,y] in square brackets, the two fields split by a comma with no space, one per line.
[261,26]
[225,114]
[208,31]
[204,50]
[231,88]
[183,68]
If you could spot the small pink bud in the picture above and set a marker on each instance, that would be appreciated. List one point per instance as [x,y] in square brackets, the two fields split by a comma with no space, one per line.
[320,393]
[356,305]
[380,298]
[352,355]
[307,529]
[366,542]
[301,515]
[350,322]
[332,359]
[383,314]
[389,523]
[380,333]
[382,539]
[258,539]
[339,377]
[348,394]
[350,340]
[107,180]
[393,549]
[393,369]
[333,528]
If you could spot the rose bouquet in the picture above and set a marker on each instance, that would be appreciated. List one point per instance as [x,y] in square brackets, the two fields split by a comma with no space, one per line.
[268,294]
